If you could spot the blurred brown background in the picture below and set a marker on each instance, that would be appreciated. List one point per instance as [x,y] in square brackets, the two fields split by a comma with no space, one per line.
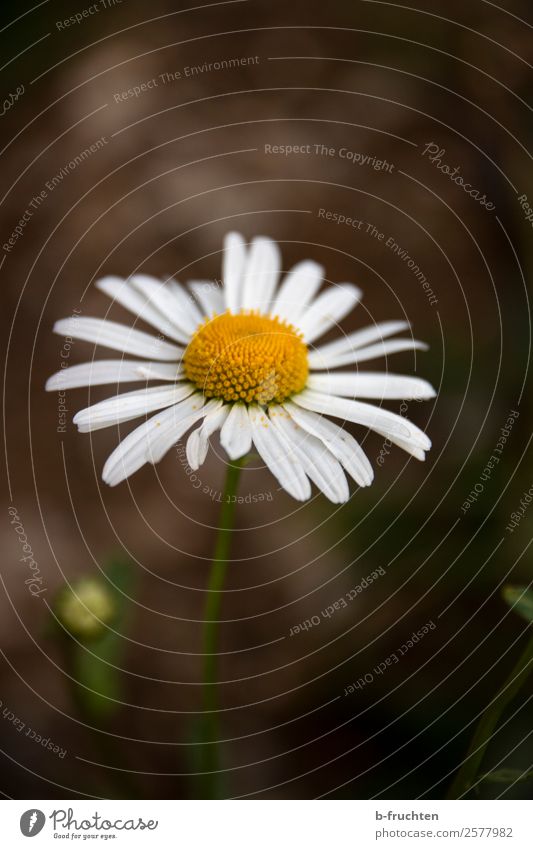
[177,166]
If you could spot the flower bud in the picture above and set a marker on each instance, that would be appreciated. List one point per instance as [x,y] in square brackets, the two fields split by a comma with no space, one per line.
[86,608]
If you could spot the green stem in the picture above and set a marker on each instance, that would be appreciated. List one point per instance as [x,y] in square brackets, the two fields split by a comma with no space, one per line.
[488,722]
[209,754]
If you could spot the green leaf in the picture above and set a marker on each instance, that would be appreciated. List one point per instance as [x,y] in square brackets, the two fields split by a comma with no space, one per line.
[520,599]
[508,776]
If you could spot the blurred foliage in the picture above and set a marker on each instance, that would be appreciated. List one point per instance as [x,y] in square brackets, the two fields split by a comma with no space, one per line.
[521,601]
[95,657]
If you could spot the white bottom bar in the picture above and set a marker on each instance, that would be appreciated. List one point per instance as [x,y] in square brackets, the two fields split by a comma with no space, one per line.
[267,824]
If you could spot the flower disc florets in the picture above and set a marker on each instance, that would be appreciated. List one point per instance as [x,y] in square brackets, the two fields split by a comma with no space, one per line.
[247,357]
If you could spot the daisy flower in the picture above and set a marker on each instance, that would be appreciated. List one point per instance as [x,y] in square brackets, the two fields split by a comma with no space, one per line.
[241,359]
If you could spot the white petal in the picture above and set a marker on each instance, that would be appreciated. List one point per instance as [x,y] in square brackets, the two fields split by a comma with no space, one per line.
[149,442]
[125,294]
[369,385]
[380,349]
[358,339]
[109,334]
[352,411]
[298,290]
[328,309]
[100,372]
[318,462]
[278,457]
[161,371]
[406,444]
[236,434]
[195,450]
[186,304]
[233,265]
[165,439]
[130,405]
[198,441]
[209,296]
[342,444]
[376,418]
[181,311]
[261,275]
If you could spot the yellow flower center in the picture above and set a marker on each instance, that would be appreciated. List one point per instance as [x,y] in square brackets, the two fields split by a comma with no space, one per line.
[247,357]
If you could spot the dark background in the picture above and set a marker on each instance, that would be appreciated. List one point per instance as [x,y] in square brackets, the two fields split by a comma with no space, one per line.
[183,163]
